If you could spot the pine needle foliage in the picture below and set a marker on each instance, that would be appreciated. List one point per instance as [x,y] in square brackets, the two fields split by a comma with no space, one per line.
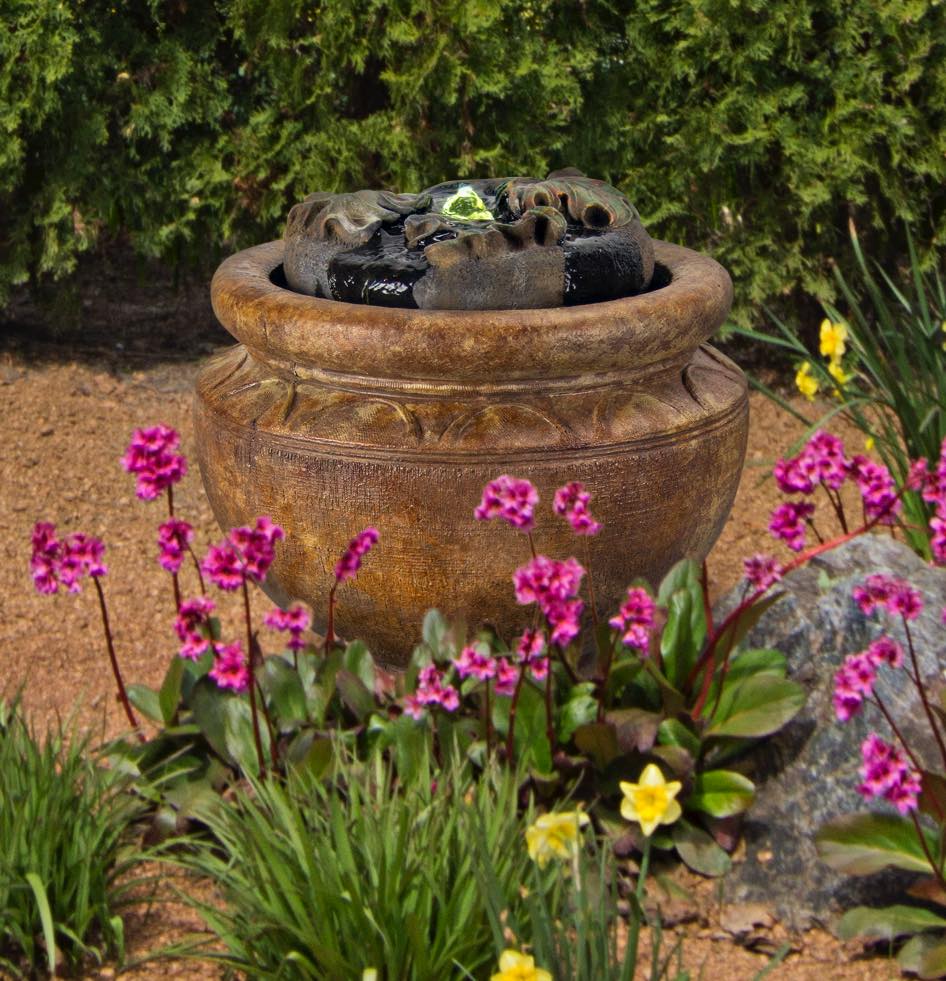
[752,129]
[64,852]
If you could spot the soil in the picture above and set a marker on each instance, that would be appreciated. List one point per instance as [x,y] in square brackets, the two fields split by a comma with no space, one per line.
[69,400]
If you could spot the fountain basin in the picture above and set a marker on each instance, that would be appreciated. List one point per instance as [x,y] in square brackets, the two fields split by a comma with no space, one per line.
[331,416]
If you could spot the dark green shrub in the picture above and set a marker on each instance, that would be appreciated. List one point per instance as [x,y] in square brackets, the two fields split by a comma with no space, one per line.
[750,129]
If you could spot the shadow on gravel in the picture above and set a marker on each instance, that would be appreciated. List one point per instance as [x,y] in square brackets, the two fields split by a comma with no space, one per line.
[118,313]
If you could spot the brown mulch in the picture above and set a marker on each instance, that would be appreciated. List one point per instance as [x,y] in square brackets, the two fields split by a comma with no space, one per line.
[68,410]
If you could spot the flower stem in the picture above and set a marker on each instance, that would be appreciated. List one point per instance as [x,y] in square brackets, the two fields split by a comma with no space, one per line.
[549,724]
[924,844]
[630,956]
[251,654]
[489,720]
[921,688]
[591,589]
[330,625]
[513,705]
[704,589]
[200,575]
[116,671]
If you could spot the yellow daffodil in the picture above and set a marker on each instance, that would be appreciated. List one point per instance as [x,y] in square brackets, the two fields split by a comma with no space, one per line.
[837,372]
[943,327]
[806,383]
[369,974]
[554,836]
[869,443]
[833,340]
[651,801]
[514,966]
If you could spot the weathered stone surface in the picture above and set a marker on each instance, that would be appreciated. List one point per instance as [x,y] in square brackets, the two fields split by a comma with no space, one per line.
[333,416]
[808,774]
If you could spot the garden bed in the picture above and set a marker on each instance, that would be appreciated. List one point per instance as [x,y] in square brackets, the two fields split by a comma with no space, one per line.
[69,410]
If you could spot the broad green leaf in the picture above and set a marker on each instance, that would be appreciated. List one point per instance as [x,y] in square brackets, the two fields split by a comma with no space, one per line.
[673,732]
[354,694]
[697,848]
[580,709]
[887,923]
[685,575]
[685,630]
[434,630]
[734,633]
[756,706]
[313,755]
[721,793]
[924,955]
[283,686]
[146,700]
[599,741]
[209,707]
[192,797]
[532,745]
[238,735]
[358,660]
[169,697]
[861,844]
[757,660]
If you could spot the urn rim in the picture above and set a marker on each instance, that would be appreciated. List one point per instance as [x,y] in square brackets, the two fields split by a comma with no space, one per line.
[299,334]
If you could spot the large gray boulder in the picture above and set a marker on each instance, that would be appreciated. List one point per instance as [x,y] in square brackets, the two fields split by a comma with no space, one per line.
[808,773]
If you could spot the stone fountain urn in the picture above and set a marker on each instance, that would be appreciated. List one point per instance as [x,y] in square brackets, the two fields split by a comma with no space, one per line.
[397,352]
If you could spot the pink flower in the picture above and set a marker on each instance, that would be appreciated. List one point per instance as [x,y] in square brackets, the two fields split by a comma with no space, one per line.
[887,773]
[231,669]
[511,499]
[257,546]
[246,553]
[530,646]
[539,668]
[475,662]
[635,618]
[223,566]
[878,489]
[905,601]
[191,625]
[507,677]
[152,458]
[544,580]
[762,571]
[853,682]
[348,565]
[788,523]
[295,621]
[571,501]
[824,456]
[885,650]
[54,563]
[792,477]
[875,592]
[413,706]
[432,691]
[173,538]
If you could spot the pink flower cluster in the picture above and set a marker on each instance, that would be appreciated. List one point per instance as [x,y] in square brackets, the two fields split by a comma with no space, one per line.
[246,553]
[854,680]
[54,562]
[173,538]
[431,691]
[553,585]
[475,662]
[152,456]
[934,492]
[231,668]
[762,571]
[886,773]
[295,621]
[348,565]
[898,597]
[530,652]
[822,461]
[511,499]
[571,501]
[635,619]
[191,626]
[788,522]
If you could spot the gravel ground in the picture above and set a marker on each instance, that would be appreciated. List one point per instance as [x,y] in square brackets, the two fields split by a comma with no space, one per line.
[68,409]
